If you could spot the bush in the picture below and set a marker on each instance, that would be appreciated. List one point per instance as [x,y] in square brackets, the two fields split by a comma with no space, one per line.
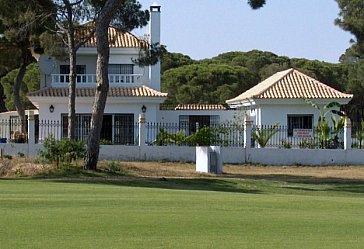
[165,138]
[115,167]
[203,137]
[64,151]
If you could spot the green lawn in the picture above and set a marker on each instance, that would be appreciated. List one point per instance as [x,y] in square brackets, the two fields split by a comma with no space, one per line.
[199,213]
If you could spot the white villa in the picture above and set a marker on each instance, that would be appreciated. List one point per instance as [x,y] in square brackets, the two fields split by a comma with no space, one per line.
[134,90]
[282,97]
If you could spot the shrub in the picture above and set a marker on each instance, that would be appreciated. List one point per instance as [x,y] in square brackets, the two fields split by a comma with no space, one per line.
[115,167]
[202,137]
[165,138]
[263,134]
[105,142]
[286,144]
[65,151]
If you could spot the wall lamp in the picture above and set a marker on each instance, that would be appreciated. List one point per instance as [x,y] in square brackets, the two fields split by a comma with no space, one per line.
[51,108]
[144,109]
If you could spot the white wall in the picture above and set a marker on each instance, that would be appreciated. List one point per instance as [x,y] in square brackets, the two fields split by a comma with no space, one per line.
[269,113]
[90,61]
[234,155]
[172,116]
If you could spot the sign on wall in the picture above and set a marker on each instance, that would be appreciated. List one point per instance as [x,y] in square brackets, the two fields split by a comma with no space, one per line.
[303,133]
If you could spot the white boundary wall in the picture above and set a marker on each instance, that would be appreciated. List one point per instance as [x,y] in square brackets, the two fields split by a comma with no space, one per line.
[234,155]
[231,155]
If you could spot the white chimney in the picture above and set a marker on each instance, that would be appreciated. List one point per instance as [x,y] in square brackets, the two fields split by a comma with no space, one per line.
[155,37]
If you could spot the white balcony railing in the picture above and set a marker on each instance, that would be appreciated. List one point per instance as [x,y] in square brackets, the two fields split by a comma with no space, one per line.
[83,79]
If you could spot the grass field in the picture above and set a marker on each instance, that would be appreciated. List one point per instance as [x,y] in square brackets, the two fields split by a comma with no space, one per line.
[244,208]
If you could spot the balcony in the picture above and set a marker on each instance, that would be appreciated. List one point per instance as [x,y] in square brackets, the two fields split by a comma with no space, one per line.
[85,80]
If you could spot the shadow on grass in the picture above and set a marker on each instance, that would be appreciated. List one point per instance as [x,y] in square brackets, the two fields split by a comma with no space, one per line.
[201,184]
[238,183]
[122,178]
[308,183]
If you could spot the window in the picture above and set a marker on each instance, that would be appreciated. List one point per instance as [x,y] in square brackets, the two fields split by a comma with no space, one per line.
[65,69]
[299,122]
[82,130]
[121,68]
[124,129]
[119,132]
[189,122]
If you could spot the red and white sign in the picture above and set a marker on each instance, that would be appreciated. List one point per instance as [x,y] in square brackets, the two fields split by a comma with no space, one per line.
[303,133]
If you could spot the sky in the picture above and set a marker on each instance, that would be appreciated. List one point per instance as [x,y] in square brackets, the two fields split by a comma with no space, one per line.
[294,28]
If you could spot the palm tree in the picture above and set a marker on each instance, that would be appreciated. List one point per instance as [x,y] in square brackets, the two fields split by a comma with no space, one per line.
[262,135]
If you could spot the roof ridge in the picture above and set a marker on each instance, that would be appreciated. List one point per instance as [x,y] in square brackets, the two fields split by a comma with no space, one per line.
[320,83]
[134,91]
[290,84]
[272,84]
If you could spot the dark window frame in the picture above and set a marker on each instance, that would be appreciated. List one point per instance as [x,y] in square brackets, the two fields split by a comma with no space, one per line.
[299,121]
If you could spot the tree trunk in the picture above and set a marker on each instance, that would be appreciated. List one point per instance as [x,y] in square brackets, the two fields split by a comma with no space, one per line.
[72,73]
[72,97]
[25,57]
[102,82]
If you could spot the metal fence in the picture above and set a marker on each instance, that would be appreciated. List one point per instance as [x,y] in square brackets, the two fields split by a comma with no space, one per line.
[121,131]
[47,128]
[111,133]
[357,133]
[286,137]
[189,135]
[11,131]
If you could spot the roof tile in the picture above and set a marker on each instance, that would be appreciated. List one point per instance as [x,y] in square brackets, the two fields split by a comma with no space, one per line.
[141,91]
[290,84]
[117,38]
[199,107]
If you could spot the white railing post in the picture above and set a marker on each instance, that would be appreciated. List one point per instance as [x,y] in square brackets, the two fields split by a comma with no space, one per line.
[347,134]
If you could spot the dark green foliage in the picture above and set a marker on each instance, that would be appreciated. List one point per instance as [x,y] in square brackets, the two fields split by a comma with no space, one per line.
[150,55]
[174,60]
[165,138]
[324,130]
[351,18]
[31,83]
[203,137]
[131,16]
[256,4]
[206,83]
[64,151]
[263,134]
[116,168]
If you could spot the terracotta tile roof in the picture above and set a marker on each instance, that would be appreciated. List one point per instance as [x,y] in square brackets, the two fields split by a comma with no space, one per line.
[199,107]
[117,38]
[290,84]
[141,91]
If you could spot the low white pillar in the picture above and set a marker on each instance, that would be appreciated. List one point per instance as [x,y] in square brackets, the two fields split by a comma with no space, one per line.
[248,124]
[347,134]
[208,159]
[31,128]
[142,128]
